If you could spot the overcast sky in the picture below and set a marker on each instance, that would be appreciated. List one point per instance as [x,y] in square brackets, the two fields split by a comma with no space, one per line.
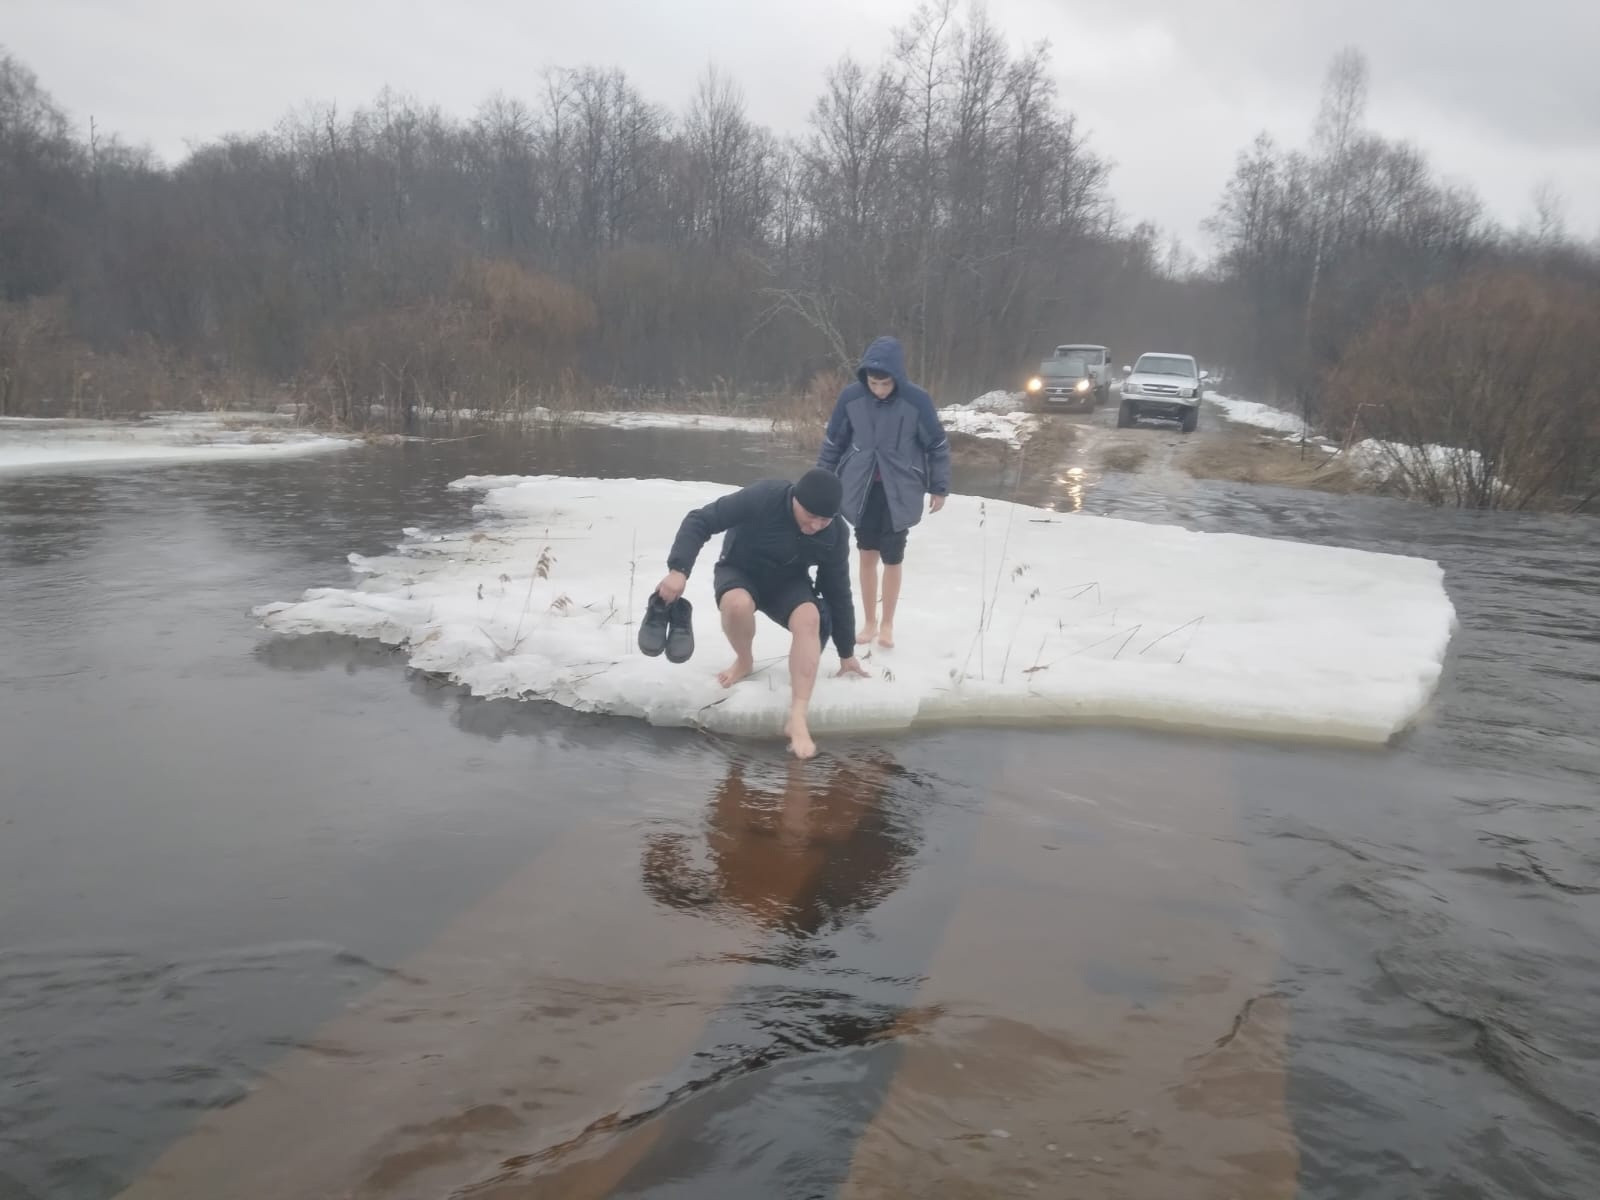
[1501,96]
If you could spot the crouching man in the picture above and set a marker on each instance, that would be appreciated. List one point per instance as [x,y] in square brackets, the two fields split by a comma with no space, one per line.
[776,531]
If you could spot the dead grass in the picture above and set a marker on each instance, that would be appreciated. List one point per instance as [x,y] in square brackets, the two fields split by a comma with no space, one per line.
[1049,440]
[47,371]
[800,417]
[967,450]
[1272,462]
[1125,458]
[1054,435]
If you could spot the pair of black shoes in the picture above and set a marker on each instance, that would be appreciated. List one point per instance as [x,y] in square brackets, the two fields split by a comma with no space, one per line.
[666,627]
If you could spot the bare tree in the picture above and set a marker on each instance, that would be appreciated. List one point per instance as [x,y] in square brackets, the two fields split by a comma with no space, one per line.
[1338,127]
[580,235]
[1549,215]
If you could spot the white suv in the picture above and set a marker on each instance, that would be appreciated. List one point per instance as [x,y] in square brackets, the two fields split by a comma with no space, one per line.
[1163,386]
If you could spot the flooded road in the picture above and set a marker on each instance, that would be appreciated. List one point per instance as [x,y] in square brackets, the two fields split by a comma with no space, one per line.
[281,918]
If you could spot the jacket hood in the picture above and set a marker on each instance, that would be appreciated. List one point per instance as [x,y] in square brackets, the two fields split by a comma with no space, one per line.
[884,355]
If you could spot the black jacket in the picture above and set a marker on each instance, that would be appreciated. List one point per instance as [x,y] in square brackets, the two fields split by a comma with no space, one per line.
[764,541]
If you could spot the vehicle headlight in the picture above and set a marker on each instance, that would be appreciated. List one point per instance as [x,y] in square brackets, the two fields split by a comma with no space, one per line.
[1130,389]
[1186,393]
[1083,385]
[1035,384]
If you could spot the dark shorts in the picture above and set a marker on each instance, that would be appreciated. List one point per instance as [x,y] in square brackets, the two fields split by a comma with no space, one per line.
[876,529]
[776,598]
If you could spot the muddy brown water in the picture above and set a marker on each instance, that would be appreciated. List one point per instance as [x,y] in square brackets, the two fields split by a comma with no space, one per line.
[281,918]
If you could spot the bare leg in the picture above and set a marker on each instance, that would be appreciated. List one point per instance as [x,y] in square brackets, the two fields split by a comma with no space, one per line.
[739,624]
[794,814]
[891,598]
[805,651]
[869,597]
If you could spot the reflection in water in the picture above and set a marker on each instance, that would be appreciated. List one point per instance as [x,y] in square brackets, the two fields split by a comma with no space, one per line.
[801,859]
[1072,484]
[795,855]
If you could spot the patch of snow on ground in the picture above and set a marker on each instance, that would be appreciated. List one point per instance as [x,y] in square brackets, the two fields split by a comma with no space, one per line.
[1449,466]
[1083,618]
[47,444]
[659,420]
[1013,428]
[1262,416]
[999,401]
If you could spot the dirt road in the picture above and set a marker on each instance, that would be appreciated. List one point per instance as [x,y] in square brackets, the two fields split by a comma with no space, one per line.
[1086,446]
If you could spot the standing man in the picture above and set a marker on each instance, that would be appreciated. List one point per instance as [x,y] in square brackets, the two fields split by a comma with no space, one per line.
[776,532]
[886,444]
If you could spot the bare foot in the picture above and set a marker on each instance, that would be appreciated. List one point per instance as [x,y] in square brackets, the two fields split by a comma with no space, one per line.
[886,638]
[741,667]
[800,743]
[868,632]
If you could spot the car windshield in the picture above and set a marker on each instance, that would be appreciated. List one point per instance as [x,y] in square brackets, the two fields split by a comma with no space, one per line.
[1071,365]
[1164,364]
[1088,353]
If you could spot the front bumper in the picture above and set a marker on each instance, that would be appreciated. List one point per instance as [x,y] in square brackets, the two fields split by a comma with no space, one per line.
[1066,397]
[1173,408]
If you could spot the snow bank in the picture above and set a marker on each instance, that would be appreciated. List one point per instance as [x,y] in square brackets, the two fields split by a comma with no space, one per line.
[1000,401]
[1082,619]
[659,420]
[1381,461]
[48,444]
[611,419]
[1449,468]
[1262,416]
[1014,428]
[992,415]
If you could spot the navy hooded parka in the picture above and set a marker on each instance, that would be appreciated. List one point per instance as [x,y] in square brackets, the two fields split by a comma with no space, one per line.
[900,439]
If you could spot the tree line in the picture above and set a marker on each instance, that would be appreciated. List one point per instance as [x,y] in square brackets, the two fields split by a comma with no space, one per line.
[581,237]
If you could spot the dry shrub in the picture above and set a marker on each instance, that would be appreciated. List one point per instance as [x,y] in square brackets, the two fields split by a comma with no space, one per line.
[47,371]
[803,415]
[505,340]
[1482,394]
[38,359]
[526,316]
[396,361]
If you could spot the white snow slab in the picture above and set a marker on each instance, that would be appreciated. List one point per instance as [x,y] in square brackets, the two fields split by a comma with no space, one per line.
[46,444]
[1262,416]
[1010,613]
[608,419]
[703,422]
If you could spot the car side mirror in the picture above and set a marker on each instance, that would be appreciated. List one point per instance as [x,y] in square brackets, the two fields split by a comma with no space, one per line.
[1126,369]
[1205,374]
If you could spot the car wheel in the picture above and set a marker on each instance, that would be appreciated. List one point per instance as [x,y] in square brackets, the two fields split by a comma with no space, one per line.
[1126,415]
[1191,419]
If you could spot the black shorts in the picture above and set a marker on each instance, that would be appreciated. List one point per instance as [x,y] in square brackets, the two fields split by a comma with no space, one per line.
[776,597]
[876,529]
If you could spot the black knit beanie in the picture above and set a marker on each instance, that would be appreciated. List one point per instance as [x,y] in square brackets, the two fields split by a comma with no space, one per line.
[819,492]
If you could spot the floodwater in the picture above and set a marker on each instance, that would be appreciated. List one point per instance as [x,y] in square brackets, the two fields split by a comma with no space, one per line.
[280,918]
